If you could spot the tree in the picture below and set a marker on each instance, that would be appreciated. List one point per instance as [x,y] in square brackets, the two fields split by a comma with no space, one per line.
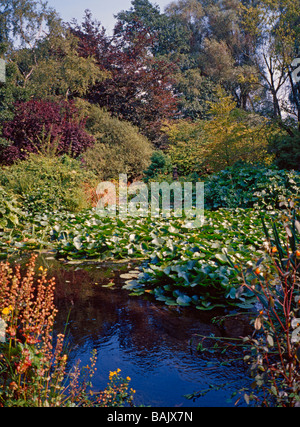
[139,86]
[59,70]
[276,24]
[234,135]
[229,136]
[11,92]
[187,146]
[25,22]
[41,125]
[171,34]
[206,40]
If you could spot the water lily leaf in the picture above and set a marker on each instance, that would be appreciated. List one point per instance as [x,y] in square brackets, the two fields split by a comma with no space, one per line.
[77,242]
[128,275]
[183,300]
[170,302]
[109,285]
[131,284]
[222,258]
[157,241]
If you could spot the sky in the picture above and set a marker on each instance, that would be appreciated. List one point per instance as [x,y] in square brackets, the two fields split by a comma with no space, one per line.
[102,10]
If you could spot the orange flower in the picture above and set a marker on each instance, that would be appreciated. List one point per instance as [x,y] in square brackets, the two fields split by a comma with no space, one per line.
[257,271]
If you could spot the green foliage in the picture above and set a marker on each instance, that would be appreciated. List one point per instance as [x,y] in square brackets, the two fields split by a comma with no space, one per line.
[187,147]
[9,210]
[47,183]
[196,91]
[248,186]
[182,265]
[59,70]
[119,147]
[287,151]
[228,136]
[232,135]
[160,165]
[11,92]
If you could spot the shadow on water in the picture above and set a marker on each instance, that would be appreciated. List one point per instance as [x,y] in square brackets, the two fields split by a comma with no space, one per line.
[153,344]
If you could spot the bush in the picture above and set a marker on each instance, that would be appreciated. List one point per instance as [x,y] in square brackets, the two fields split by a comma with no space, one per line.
[119,147]
[160,164]
[38,123]
[9,210]
[47,183]
[230,135]
[287,151]
[249,186]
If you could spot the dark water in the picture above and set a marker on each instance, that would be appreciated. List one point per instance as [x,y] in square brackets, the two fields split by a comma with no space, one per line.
[153,344]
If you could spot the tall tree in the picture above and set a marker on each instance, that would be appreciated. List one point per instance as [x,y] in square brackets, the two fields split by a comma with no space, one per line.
[276,24]
[139,86]
[171,34]
[25,21]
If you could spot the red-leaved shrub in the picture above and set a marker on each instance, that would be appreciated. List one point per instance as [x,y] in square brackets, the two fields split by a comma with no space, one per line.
[37,123]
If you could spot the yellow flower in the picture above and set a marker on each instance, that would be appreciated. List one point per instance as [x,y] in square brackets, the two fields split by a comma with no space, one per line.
[111,374]
[7,310]
[41,268]
[128,378]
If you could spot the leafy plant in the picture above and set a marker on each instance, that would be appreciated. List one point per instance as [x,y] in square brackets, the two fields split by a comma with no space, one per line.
[273,352]
[10,211]
[37,121]
[182,265]
[46,183]
[160,164]
[119,146]
[251,186]
[33,364]
[286,150]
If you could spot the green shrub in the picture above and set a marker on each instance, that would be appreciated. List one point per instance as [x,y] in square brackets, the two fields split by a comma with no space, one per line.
[248,186]
[160,164]
[287,151]
[46,183]
[9,210]
[119,147]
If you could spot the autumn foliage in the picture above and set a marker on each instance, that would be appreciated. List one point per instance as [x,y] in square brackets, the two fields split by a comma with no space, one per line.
[139,86]
[37,123]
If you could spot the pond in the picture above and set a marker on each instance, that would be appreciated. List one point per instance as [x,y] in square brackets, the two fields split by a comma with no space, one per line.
[155,345]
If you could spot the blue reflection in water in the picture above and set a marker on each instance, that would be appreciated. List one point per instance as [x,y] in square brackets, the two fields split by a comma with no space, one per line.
[149,342]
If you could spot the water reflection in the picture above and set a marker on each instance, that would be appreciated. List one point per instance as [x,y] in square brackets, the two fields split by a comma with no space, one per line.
[149,342]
